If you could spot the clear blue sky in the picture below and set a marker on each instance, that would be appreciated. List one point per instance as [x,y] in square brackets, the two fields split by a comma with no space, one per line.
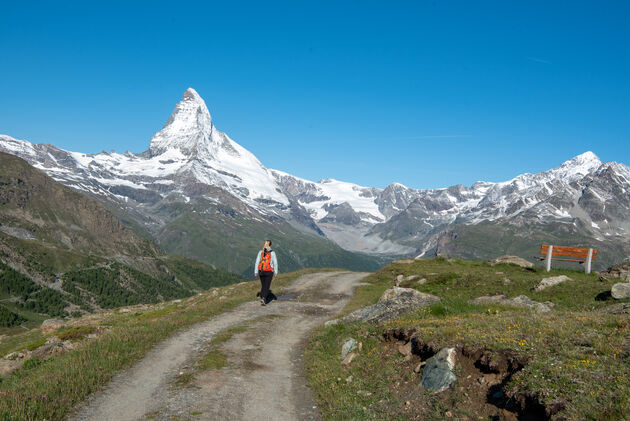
[428,94]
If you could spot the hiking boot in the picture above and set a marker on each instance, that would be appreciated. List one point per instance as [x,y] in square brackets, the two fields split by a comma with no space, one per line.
[262,301]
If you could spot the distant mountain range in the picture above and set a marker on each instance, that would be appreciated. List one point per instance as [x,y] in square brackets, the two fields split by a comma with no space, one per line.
[198,193]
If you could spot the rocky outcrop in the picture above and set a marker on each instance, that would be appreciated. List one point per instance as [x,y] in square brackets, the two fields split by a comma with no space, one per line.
[50,325]
[520,301]
[621,271]
[551,281]
[392,304]
[515,260]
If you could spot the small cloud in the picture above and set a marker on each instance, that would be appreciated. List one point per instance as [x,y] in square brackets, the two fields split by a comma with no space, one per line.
[538,60]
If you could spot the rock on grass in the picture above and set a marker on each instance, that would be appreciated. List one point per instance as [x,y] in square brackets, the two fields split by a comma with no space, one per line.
[520,301]
[392,304]
[620,290]
[551,281]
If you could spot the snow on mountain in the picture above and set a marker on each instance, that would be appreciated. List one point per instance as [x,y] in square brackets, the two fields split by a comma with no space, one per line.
[318,198]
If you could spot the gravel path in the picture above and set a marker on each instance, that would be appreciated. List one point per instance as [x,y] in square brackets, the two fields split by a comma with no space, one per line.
[263,379]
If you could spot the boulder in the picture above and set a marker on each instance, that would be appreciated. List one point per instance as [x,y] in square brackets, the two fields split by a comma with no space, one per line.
[398,293]
[392,304]
[438,375]
[551,281]
[520,301]
[621,290]
[50,325]
[519,261]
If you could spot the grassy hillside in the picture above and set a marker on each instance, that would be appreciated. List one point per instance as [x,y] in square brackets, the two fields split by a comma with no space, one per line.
[575,359]
[48,388]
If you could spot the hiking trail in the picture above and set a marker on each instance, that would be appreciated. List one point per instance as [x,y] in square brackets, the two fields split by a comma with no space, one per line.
[264,375]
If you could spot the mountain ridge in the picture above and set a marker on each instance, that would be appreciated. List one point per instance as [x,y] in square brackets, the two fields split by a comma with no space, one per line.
[189,159]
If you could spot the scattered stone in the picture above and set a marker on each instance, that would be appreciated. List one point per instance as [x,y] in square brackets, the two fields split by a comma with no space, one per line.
[51,325]
[7,367]
[349,379]
[515,260]
[499,273]
[551,281]
[349,358]
[331,322]
[438,374]
[621,290]
[407,403]
[448,414]
[348,346]
[53,348]
[405,349]
[411,278]
[520,301]
[393,303]
[419,366]
[399,279]
[404,261]
[481,380]
[507,281]
[364,393]
[422,281]
[621,271]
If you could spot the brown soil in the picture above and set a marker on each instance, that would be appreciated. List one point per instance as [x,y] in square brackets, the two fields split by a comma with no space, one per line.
[478,393]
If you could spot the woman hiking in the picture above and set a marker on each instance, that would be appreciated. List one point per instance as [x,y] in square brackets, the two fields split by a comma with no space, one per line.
[267,267]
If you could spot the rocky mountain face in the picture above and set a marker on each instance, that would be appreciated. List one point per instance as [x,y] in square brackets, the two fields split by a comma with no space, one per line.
[199,193]
[62,252]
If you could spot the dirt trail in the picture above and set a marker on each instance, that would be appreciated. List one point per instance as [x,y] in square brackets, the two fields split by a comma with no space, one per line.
[263,379]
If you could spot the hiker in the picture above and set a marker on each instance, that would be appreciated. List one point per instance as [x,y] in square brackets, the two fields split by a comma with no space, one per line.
[267,267]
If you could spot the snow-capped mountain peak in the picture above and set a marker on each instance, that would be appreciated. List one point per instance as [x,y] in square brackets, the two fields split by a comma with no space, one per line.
[579,166]
[188,129]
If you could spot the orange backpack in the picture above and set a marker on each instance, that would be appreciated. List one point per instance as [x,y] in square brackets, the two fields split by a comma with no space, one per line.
[265,262]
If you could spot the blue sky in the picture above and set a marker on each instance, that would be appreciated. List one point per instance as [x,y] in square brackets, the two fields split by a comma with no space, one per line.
[428,94]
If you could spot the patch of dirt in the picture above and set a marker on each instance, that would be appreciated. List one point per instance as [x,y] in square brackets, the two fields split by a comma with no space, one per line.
[479,392]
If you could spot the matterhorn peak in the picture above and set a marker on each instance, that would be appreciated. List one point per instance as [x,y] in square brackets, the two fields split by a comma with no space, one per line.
[188,127]
[192,95]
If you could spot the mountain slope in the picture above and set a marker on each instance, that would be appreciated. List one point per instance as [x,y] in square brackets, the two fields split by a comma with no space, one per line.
[62,252]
